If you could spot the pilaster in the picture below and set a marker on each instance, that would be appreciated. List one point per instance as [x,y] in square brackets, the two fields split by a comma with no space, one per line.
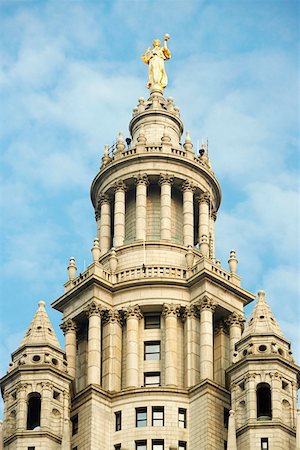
[94,312]
[119,213]
[132,315]
[69,329]
[105,223]
[171,313]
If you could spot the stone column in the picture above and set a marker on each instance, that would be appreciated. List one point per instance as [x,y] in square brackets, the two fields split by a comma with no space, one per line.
[69,329]
[191,334]
[46,405]
[236,323]
[93,312]
[21,407]
[231,442]
[171,312]
[105,224]
[165,206]
[207,308]
[251,396]
[112,350]
[188,213]
[276,388]
[133,315]
[141,206]
[298,430]
[119,219]
[203,235]
[213,218]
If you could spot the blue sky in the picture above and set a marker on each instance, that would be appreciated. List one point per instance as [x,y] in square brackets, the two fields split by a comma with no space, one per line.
[71,72]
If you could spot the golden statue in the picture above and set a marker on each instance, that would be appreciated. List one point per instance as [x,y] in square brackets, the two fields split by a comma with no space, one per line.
[155,57]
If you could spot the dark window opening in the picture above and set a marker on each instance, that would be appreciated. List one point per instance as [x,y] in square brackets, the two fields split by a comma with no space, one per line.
[118,417]
[152,351]
[182,417]
[225,445]
[181,445]
[157,416]
[34,411]
[140,445]
[264,443]
[226,417]
[117,446]
[74,421]
[152,321]
[30,448]
[157,444]
[152,379]
[141,417]
[263,401]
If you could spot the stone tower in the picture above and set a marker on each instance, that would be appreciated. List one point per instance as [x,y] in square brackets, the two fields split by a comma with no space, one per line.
[36,391]
[153,325]
[264,383]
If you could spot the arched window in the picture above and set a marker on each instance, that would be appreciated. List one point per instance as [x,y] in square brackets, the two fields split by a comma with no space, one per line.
[33,411]
[263,401]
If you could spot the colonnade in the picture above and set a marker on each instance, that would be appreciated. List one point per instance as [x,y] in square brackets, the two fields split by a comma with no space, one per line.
[206,215]
[199,351]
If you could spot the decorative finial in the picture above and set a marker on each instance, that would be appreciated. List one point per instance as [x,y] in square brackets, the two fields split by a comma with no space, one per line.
[261,295]
[155,58]
[232,262]
[41,304]
[72,269]
[96,250]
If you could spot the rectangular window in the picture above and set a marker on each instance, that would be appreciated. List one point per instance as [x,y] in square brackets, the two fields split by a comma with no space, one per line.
[152,379]
[30,448]
[152,321]
[157,416]
[117,447]
[182,417]
[140,417]
[140,445]
[157,444]
[264,444]
[226,417]
[181,445]
[118,417]
[152,351]
[74,421]
[75,448]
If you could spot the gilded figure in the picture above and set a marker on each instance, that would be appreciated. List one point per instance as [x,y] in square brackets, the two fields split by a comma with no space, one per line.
[155,58]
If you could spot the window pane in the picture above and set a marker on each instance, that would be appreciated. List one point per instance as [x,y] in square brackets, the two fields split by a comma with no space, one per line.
[158,444]
[152,321]
[181,445]
[182,418]
[141,445]
[158,416]
[141,417]
[152,350]
[152,379]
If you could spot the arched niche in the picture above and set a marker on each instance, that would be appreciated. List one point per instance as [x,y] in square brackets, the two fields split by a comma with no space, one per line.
[263,401]
[33,411]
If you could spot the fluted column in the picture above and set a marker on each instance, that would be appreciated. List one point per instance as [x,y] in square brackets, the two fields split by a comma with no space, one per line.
[188,213]
[251,396]
[213,218]
[276,387]
[191,334]
[207,308]
[69,329]
[133,315]
[171,313]
[203,235]
[93,313]
[119,218]
[141,206]
[236,323]
[21,407]
[165,206]
[46,398]
[112,350]
[105,224]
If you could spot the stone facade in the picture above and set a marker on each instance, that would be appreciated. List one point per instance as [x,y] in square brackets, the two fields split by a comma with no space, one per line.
[156,354]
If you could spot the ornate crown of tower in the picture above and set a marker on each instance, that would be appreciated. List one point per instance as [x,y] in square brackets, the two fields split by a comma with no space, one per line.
[154,322]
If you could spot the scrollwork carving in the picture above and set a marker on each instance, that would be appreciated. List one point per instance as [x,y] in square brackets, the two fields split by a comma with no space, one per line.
[207,303]
[68,325]
[171,309]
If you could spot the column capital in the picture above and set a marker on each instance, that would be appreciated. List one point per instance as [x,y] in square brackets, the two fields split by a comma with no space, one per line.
[133,311]
[94,309]
[141,179]
[68,325]
[235,319]
[190,311]
[103,198]
[171,309]
[47,385]
[165,178]
[275,376]
[187,185]
[213,214]
[97,214]
[22,387]
[112,316]
[120,185]
[221,327]
[204,198]
[207,303]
